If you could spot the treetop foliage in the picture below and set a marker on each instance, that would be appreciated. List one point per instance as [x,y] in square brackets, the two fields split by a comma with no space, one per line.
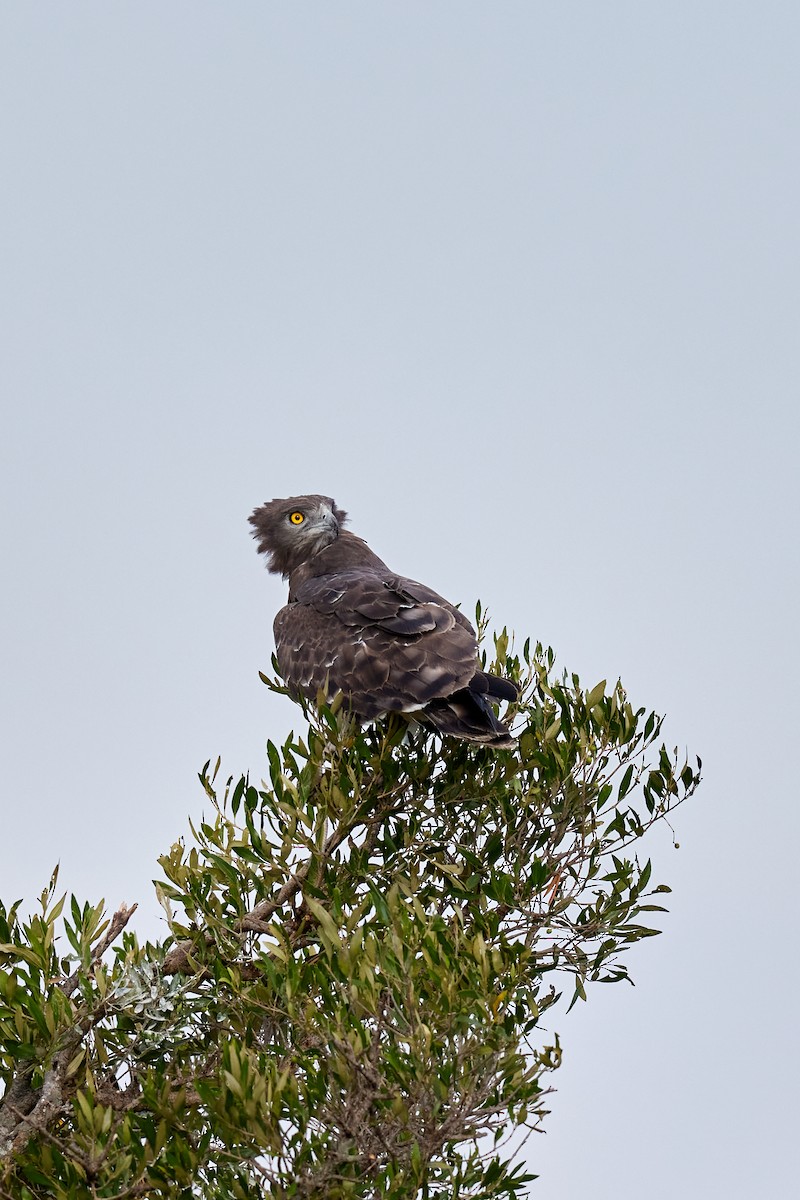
[363,949]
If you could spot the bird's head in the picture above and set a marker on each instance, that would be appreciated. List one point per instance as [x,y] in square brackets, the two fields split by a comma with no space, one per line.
[291,531]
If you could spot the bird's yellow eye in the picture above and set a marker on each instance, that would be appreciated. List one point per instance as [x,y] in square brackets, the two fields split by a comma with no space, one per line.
[297,518]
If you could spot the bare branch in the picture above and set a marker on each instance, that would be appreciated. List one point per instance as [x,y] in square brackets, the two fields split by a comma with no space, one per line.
[118,922]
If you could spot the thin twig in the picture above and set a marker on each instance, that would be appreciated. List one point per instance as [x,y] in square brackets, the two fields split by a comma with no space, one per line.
[117,924]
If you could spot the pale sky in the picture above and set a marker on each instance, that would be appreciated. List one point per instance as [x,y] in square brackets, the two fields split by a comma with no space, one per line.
[518,285]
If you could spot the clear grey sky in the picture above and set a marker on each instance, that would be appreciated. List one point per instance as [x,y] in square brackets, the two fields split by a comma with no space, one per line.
[518,285]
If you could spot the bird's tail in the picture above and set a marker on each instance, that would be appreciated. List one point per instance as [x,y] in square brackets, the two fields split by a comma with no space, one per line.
[468,713]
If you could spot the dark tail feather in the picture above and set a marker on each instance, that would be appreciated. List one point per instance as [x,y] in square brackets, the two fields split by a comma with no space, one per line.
[468,713]
[494,686]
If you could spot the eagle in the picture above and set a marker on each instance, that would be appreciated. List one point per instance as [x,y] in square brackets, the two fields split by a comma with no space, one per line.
[351,625]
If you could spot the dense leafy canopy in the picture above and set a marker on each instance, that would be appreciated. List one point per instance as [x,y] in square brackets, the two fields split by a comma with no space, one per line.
[361,952]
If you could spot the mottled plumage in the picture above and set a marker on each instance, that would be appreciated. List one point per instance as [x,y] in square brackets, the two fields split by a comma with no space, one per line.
[351,625]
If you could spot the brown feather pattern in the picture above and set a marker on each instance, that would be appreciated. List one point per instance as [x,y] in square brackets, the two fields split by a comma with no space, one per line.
[388,643]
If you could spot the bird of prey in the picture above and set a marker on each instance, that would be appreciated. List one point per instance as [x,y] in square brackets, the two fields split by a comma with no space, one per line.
[387,643]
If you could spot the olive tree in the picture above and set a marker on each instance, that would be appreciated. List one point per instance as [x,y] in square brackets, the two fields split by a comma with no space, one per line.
[365,961]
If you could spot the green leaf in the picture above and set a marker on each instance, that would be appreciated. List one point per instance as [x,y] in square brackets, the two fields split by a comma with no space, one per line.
[328,929]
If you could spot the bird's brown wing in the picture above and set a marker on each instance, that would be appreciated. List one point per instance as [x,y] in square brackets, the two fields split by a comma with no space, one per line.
[390,644]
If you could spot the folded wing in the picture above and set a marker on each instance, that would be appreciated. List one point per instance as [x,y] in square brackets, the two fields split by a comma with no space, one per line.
[390,644]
